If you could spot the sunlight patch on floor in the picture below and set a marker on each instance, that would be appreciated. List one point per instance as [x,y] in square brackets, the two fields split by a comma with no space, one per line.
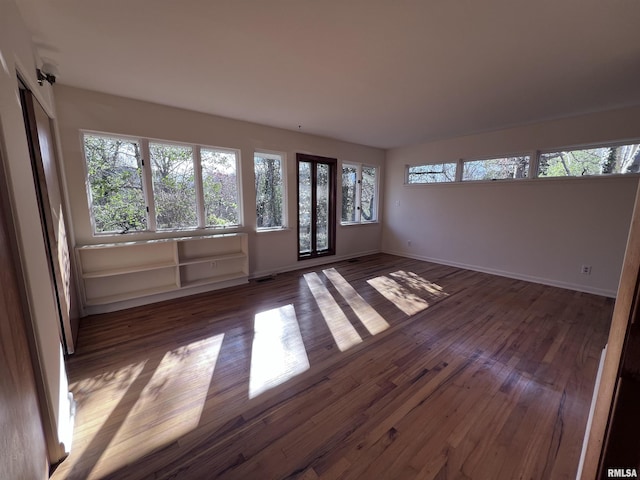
[92,411]
[344,333]
[278,352]
[168,406]
[399,295]
[369,317]
[416,282]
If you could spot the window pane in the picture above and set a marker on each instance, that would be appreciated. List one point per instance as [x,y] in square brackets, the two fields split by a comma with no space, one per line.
[496,168]
[114,168]
[304,206]
[349,182]
[268,173]
[173,185]
[220,187]
[367,196]
[322,206]
[592,161]
[436,173]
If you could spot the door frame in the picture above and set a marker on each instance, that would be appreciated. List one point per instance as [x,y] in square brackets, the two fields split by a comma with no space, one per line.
[63,300]
[332,163]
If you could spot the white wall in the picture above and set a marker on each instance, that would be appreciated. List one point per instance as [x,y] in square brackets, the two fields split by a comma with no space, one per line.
[541,230]
[269,252]
[18,56]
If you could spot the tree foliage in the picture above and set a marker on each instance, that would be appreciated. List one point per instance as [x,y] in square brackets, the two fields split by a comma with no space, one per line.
[496,168]
[115,180]
[173,186]
[115,173]
[593,161]
[269,206]
[306,182]
[358,193]
[433,173]
[220,187]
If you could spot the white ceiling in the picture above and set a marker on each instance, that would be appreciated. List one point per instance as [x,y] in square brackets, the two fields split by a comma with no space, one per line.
[377,72]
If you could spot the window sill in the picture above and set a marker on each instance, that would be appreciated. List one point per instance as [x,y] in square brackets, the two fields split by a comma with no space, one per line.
[179,232]
[351,224]
[529,181]
[270,230]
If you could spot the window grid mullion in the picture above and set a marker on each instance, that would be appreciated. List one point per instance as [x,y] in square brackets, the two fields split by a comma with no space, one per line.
[148,184]
[459,170]
[534,162]
[197,167]
[358,193]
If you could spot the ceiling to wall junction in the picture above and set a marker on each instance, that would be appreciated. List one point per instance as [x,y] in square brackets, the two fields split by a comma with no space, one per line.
[376,72]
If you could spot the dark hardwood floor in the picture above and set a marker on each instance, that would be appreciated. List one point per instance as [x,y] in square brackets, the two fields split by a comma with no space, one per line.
[384,367]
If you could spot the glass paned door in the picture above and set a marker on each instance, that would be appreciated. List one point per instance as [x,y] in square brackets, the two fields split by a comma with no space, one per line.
[316,206]
[304,208]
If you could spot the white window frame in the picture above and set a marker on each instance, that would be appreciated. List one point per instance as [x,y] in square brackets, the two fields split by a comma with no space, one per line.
[463,161]
[147,184]
[88,195]
[358,202]
[147,171]
[588,146]
[457,176]
[200,200]
[285,197]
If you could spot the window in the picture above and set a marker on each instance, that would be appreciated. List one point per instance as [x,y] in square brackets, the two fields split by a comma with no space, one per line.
[174,192]
[316,206]
[608,160]
[180,187]
[220,187]
[270,195]
[114,169]
[496,168]
[432,173]
[359,193]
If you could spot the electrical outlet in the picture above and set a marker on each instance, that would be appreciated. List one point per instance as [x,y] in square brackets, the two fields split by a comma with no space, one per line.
[585,269]
[408,243]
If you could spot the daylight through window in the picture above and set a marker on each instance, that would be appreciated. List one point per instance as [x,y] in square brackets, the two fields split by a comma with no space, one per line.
[220,187]
[618,159]
[174,194]
[432,173]
[496,168]
[114,169]
[359,193]
[268,168]
[181,186]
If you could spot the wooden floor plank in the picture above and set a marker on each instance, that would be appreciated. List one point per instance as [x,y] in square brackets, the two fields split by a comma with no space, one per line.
[456,374]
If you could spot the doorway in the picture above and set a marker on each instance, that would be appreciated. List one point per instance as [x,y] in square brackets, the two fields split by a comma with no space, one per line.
[316,206]
[52,218]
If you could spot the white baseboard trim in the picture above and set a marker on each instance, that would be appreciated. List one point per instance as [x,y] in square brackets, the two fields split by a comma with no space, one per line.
[517,276]
[302,264]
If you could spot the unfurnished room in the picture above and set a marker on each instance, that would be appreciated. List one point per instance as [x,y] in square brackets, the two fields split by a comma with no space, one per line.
[319,240]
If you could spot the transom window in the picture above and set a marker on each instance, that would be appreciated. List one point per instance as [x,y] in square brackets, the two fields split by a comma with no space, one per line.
[496,168]
[179,187]
[606,160]
[612,159]
[359,193]
[432,173]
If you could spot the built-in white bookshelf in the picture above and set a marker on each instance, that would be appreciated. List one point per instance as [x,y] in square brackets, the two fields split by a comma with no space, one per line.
[120,272]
